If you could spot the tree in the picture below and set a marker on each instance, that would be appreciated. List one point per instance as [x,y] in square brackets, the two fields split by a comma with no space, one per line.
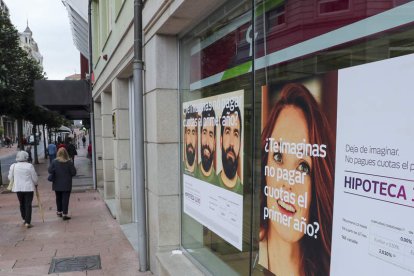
[18,71]
[10,54]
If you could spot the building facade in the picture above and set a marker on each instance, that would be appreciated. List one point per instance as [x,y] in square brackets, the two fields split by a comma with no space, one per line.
[28,44]
[277,133]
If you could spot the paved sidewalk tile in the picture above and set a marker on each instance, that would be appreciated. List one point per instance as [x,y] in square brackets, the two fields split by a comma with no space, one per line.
[91,231]
[5,151]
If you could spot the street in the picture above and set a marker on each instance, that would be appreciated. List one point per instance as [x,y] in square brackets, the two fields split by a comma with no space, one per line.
[10,158]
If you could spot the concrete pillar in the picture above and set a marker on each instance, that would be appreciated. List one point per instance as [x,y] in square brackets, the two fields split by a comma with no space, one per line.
[107,145]
[162,138]
[98,142]
[122,156]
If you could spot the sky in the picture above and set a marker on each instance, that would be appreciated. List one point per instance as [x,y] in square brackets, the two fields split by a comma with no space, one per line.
[49,22]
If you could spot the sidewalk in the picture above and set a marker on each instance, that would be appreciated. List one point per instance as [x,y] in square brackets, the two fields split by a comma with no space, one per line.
[91,231]
[4,151]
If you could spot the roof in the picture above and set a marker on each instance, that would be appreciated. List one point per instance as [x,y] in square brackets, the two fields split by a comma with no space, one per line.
[27,30]
[71,98]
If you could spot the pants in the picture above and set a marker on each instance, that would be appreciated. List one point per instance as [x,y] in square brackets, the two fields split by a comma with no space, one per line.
[25,199]
[62,202]
[51,157]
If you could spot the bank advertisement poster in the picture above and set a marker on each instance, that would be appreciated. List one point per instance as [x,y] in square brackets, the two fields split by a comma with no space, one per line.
[297,171]
[373,231]
[213,164]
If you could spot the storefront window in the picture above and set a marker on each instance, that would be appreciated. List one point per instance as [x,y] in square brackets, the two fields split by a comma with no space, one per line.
[285,123]
[216,90]
[323,94]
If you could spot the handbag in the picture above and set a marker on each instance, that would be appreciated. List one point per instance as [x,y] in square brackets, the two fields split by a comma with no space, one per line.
[51,177]
[11,182]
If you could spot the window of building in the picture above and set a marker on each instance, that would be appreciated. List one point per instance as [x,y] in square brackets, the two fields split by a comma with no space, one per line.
[215,171]
[277,17]
[333,6]
[221,70]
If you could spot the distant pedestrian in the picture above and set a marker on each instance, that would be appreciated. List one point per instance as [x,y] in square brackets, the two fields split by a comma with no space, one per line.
[62,171]
[8,142]
[25,183]
[51,151]
[90,152]
[71,151]
[29,152]
[83,141]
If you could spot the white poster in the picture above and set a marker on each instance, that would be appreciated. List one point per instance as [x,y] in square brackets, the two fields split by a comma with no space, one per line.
[373,229]
[213,164]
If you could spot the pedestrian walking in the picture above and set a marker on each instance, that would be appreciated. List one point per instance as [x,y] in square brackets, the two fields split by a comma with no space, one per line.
[71,151]
[62,171]
[51,151]
[25,182]
[83,141]
[29,153]
[90,153]
[8,142]
[61,145]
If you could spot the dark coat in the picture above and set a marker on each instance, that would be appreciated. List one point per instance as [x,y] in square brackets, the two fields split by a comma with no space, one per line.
[63,173]
[71,150]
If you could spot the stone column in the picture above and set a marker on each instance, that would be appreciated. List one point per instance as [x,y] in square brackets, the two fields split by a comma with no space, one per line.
[122,156]
[162,137]
[98,144]
[107,145]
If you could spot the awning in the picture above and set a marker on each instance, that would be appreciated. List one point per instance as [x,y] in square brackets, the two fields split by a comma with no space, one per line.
[71,98]
[63,129]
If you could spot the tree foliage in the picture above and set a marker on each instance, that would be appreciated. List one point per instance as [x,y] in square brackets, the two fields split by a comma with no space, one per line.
[18,71]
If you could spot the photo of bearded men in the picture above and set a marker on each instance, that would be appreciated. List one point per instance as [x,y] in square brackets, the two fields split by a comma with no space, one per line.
[231,143]
[207,170]
[190,141]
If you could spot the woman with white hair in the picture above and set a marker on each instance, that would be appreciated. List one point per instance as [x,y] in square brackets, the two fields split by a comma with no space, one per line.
[25,183]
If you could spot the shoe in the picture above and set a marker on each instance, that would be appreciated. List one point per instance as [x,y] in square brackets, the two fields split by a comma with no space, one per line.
[28,225]
[66,217]
[59,214]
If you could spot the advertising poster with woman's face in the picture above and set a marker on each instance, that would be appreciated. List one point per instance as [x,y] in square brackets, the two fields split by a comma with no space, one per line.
[297,176]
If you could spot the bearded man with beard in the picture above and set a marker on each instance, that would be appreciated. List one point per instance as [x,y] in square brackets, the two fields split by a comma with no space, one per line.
[190,141]
[230,141]
[208,145]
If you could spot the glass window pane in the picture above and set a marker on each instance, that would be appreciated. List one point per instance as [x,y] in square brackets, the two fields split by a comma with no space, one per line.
[216,90]
[295,58]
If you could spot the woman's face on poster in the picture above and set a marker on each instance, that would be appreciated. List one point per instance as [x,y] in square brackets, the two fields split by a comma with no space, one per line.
[290,127]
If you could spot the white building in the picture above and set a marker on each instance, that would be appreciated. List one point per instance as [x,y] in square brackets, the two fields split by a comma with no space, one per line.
[29,45]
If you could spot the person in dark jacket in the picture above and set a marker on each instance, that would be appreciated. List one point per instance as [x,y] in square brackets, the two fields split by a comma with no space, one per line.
[62,170]
[71,151]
